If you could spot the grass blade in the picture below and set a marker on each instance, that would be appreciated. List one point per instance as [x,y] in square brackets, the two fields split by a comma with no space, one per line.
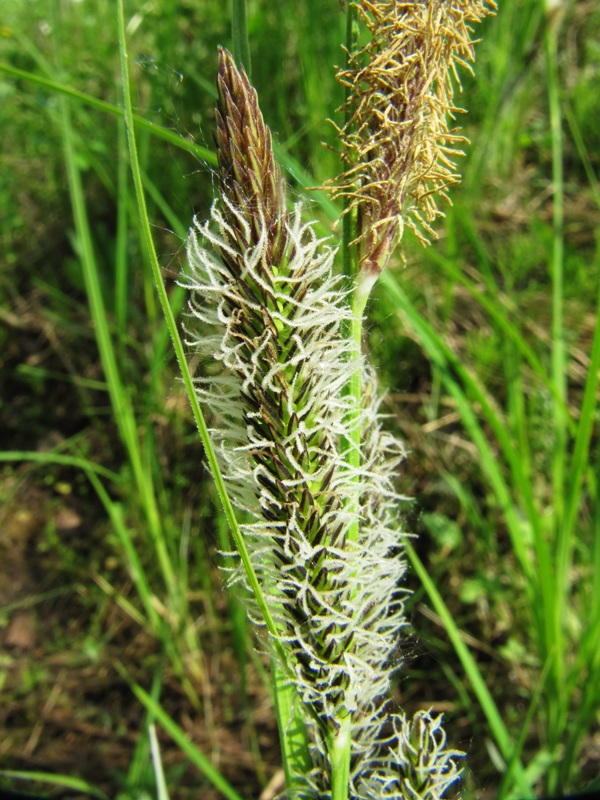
[119,396]
[66,781]
[202,153]
[180,738]
[484,697]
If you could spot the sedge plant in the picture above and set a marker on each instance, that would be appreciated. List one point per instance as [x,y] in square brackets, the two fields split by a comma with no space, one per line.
[372,226]
[296,426]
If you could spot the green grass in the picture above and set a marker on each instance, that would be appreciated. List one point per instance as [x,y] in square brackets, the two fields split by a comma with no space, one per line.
[488,342]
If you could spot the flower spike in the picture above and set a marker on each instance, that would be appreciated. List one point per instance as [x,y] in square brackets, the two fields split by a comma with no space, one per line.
[398,150]
[322,533]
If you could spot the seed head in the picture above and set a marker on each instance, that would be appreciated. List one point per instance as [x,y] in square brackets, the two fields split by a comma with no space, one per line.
[398,149]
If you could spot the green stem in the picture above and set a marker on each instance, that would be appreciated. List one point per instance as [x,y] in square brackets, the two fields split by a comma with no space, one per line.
[339,743]
[239,34]
[350,268]
[349,220]
[355,390]
[563,543]
[293,735]
[339,749]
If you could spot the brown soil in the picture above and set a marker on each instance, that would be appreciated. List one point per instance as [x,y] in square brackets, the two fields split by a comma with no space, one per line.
[66,707]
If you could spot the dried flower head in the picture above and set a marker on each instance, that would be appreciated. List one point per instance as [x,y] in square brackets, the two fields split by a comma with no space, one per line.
[397,147]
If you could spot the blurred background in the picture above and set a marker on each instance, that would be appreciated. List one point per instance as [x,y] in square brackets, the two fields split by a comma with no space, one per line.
[486,343]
